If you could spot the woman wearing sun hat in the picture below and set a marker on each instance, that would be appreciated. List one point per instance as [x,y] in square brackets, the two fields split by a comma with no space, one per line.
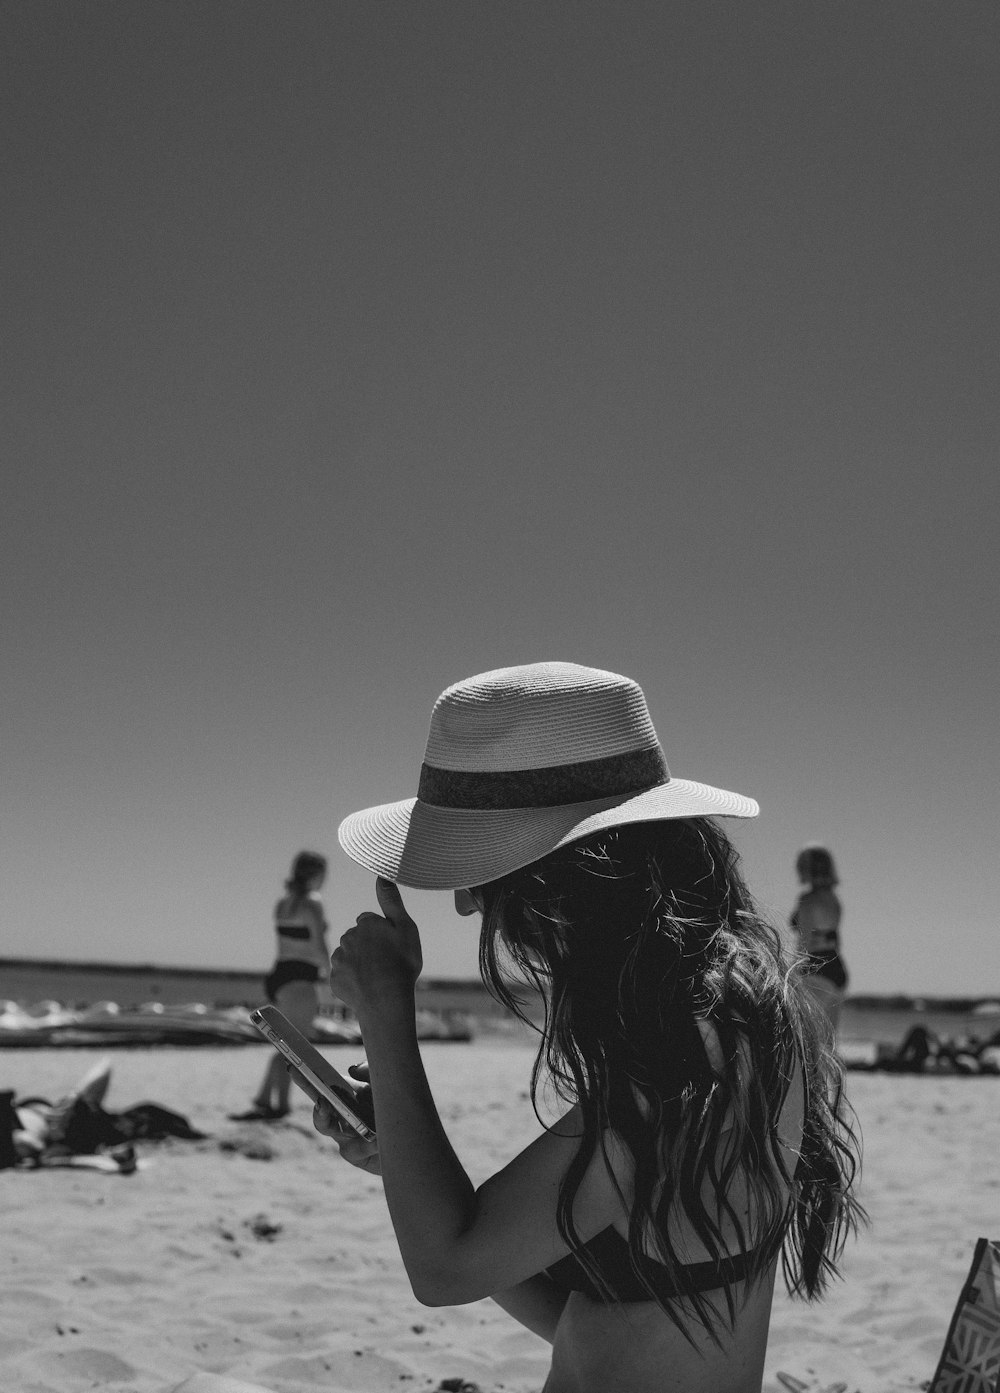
[704,1139]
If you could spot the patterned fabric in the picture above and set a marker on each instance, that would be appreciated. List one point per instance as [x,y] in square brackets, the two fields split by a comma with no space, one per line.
[971,1359]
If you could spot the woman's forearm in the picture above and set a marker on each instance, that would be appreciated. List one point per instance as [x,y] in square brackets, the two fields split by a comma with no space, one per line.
[430,1197]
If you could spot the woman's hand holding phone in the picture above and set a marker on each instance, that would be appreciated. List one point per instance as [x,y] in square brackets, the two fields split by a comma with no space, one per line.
[354,1149]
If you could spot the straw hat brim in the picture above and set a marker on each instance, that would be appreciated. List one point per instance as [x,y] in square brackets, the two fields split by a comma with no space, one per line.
[434,848]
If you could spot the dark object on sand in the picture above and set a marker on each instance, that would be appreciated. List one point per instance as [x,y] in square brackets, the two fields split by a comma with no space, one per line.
[40,1132]
[80,1128]
[8,1126]
[923,1052]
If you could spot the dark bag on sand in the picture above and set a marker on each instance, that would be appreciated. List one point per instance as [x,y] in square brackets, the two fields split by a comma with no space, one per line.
[150,1122]
[971,1359]
[8,1124]
[79,1128]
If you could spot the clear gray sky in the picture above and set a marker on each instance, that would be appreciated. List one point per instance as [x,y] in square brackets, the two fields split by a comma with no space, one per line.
[352,349]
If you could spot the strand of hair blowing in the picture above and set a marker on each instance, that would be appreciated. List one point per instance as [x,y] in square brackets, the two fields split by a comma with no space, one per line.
[631,936]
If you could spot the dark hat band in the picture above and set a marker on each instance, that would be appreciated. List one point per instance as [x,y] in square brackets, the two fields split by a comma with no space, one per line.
[551,787]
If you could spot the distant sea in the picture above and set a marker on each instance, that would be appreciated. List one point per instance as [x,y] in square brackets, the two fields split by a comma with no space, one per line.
[873,1017]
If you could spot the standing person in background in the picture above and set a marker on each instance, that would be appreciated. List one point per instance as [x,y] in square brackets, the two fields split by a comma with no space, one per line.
[816,921]
[301,965]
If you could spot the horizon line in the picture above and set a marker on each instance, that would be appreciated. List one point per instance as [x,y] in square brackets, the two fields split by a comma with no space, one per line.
[224,973]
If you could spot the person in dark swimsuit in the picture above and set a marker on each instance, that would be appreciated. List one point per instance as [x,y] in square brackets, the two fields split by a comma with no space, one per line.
[704,1138]
[302,964]
[816,923]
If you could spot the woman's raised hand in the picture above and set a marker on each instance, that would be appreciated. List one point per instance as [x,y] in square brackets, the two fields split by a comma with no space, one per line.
[380,957]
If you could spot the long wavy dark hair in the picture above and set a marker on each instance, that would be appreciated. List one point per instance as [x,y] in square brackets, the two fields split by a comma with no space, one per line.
[631,936]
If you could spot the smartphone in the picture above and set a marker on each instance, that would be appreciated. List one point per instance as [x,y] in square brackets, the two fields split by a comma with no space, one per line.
[319,1078]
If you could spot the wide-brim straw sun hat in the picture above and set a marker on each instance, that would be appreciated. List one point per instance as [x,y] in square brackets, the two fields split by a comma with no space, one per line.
[520,761]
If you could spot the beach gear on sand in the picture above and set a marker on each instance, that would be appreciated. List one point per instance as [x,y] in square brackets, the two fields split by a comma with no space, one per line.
[923,1052]
[520,761]
[9,1124]
[77,1130]
[970,1362]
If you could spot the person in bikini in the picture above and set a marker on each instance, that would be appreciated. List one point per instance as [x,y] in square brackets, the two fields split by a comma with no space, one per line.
[815,921]
[705,1138]
[301,967]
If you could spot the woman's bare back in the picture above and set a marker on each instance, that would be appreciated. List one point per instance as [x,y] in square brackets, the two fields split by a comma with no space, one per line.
[637,1349]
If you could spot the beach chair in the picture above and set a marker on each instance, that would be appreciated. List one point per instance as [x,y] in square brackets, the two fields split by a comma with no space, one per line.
[970,1361]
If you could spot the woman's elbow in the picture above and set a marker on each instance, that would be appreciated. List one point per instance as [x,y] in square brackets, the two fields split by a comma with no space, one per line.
[432,1296]
[444,1288]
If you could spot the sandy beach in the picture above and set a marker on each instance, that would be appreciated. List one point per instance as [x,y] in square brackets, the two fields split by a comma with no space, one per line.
[258,1254]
